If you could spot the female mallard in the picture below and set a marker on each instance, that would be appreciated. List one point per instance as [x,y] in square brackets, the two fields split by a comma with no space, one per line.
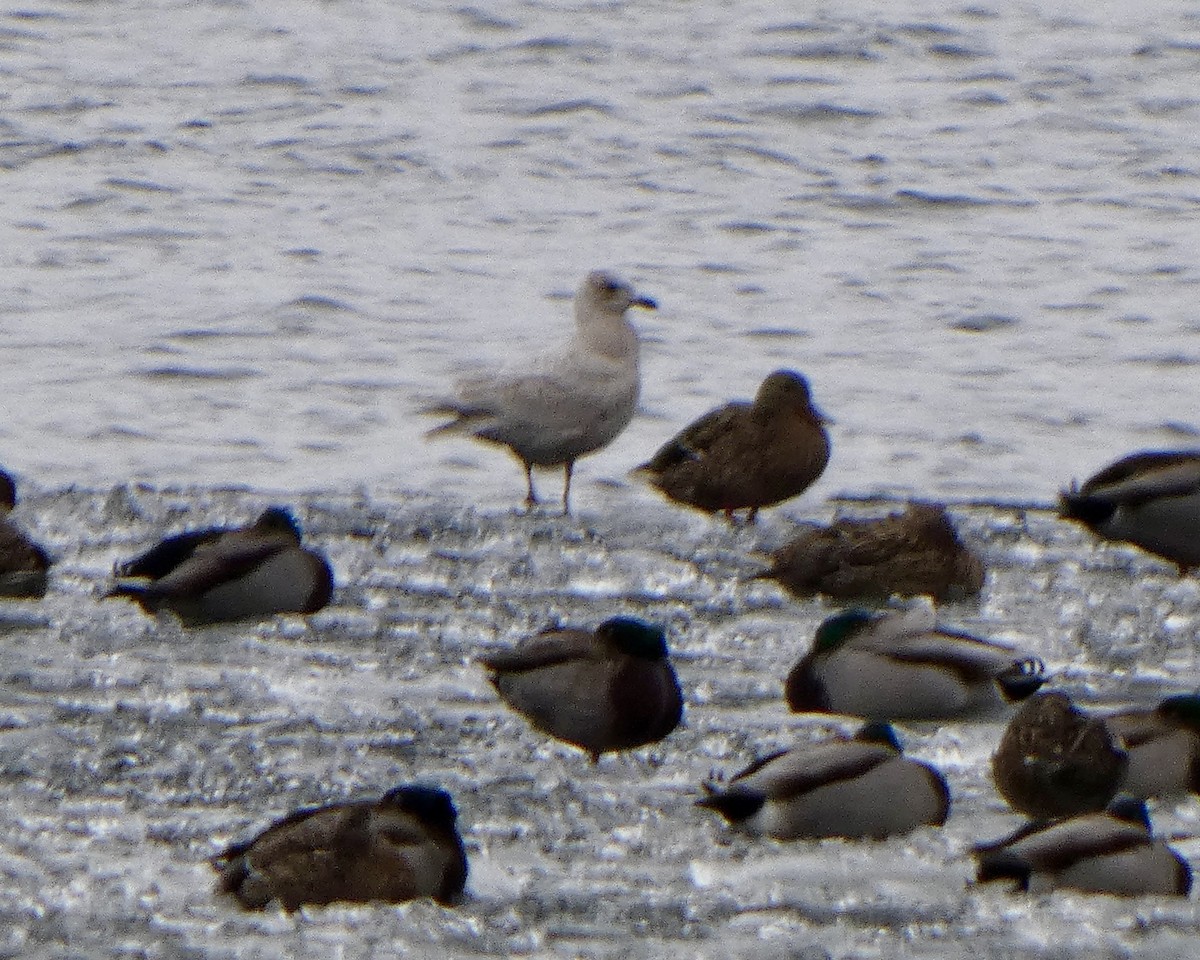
[217,574]
[603,691]
[1151,499]
[400,847]
[907,554]
[861,787]
[746,455]
[899,665]
[1054,760]
[24,566]
[1109,852]
[1163,744]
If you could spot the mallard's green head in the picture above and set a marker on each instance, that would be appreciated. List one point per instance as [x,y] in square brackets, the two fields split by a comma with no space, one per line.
[1129,809]
[1183,710]
[839,628]
[881,733]
[278,519]
[634,637]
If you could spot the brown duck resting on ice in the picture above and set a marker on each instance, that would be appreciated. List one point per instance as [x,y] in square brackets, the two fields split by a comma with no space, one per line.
[1055,760]
[904,554]
[746,456]
[401,847]
[24,566]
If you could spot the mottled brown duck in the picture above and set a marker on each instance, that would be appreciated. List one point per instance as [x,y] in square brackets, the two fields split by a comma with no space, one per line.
[917,552]
[401,847]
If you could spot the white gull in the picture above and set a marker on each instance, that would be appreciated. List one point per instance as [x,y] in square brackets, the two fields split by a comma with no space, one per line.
[555,408]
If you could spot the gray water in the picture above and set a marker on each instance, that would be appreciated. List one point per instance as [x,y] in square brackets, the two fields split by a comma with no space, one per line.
[241,243]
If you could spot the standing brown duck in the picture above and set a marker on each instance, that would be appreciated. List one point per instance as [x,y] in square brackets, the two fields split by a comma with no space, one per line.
[907,554]
[24,565]
[746,456]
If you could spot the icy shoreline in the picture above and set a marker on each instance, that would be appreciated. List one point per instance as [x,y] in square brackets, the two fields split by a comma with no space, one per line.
[132,749]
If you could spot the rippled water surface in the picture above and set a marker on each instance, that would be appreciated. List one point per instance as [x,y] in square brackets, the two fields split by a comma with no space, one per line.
[241,243]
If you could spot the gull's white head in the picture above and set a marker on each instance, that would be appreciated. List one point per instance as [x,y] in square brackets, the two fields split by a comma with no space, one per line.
[604,292]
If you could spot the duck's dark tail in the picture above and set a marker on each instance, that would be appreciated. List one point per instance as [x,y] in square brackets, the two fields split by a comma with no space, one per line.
[1022,680]
[734,805]
[1086,508]
[1003,865]
[137,592]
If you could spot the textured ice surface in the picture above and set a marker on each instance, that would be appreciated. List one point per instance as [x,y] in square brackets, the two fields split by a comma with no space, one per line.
[132,750]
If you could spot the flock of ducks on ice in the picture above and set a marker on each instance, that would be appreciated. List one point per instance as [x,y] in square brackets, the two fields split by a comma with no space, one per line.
[1080,778]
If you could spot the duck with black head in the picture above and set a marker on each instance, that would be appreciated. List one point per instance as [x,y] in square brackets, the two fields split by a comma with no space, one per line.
[1150,499]
[861,787]
[605,690]
[1112,851]
[220,574]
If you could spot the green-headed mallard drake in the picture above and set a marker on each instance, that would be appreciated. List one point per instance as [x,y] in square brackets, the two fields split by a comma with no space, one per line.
[859,787]
[217,574]
[24,566]
[1163,744]
[400,847]
[906,554]
[603,691]
[552,409]
[1107,852]
[1054,760]
[746,455]
[899,665]
[1151,499]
